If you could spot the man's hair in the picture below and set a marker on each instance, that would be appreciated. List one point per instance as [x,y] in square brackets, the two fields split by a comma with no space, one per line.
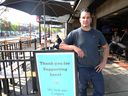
[86,10]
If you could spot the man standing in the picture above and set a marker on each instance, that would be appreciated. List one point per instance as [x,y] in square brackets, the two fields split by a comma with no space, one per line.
[85,41]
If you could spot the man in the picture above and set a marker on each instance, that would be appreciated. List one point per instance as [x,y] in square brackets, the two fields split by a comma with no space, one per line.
[85,41]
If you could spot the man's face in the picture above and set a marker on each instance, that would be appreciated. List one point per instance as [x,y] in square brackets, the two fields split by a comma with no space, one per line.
[85,19]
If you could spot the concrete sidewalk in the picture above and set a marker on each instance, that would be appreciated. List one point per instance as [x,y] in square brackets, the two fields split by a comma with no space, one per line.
[116,79]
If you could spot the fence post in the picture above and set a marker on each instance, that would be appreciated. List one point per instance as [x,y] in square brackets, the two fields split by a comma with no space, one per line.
[0,89]
[6,86]
[20,43]
[34,82]
[0,85]
[35,43]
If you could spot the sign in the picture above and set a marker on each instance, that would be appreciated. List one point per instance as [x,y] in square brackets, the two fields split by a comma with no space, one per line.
[56,73]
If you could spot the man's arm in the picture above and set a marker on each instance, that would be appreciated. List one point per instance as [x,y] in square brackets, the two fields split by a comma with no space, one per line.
[105,53]
[65,46]
[103,62]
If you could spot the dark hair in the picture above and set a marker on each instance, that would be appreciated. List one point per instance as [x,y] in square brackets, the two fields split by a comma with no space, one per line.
[86,10]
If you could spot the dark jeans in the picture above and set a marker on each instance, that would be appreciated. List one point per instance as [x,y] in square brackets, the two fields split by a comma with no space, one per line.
[89,74]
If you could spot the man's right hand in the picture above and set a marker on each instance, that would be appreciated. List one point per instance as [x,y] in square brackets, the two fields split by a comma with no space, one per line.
[79,51]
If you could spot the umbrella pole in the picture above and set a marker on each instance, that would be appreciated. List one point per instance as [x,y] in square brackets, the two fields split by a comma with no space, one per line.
[45,39]
[40,29]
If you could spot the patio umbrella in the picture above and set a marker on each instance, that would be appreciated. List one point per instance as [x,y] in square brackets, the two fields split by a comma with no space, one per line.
[53,22]
[40,7]
[50,23]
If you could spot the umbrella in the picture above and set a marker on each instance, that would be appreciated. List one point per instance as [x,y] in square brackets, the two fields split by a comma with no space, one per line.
[51,20]
[40,7]
[52,23]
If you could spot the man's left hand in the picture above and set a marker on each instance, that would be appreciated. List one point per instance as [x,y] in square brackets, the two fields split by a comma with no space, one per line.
[100,67]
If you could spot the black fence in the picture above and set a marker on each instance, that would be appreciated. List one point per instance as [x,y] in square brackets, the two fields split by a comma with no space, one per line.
[17,73]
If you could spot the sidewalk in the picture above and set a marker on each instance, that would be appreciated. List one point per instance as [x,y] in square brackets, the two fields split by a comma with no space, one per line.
[116,79]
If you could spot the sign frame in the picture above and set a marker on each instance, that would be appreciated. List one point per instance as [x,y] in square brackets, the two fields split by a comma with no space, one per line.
[61,74]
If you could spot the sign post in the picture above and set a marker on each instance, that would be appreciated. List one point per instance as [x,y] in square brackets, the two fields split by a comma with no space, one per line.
[56,73]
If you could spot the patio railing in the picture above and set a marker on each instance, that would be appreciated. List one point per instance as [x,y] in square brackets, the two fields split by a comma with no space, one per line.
[17,68]
[17,72]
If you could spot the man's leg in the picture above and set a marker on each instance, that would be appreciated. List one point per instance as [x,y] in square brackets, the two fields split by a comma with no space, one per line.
[98,84]
[83,80]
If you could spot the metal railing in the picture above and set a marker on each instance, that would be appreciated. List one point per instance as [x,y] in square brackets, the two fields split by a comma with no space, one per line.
[17,72]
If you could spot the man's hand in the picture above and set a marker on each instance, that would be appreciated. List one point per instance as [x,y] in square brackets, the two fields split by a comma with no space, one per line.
[79,52]
[100,67]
